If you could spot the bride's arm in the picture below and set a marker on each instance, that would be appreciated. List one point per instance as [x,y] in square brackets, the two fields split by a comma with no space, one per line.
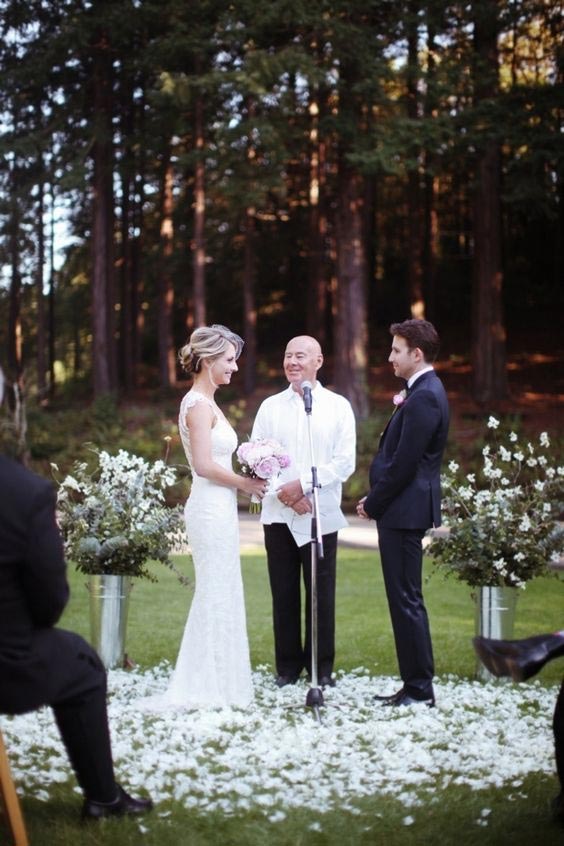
[199,420]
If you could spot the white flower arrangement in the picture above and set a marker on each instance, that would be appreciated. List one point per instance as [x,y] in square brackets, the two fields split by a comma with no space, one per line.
[114,518]
[503,519]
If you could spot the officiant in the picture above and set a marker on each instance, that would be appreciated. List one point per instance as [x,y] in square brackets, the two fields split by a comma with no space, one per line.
[286,511]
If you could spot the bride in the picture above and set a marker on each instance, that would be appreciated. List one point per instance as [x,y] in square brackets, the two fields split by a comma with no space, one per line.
[213,666]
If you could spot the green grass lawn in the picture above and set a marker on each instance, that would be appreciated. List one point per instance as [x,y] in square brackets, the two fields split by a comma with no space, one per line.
[157,616]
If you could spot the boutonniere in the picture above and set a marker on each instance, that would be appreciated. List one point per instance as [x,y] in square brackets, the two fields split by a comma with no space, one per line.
[399,399]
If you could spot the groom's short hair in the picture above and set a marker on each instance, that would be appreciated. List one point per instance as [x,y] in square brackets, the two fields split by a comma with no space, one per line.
[419,334]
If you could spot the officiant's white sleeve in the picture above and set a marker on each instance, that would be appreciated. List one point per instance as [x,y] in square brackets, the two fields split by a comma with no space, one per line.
[335,434]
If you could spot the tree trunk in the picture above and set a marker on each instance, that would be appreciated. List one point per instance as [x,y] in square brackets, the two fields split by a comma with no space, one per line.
[127,165]
[318,282]
[249,304]
[351,335]
[41,312]
[430,239]
[103,352]
[490,382]
[414,246]
[199,254]
[165,304]
[136,243]
[51,297]
[14,300]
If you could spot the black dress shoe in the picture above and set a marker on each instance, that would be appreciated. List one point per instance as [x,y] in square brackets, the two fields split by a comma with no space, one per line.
[390,698]
[402,699]
[519,659]
[558,808]
[327,681]
[124,805]
[282,681]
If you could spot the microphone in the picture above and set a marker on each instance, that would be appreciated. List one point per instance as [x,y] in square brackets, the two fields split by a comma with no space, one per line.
[306,390]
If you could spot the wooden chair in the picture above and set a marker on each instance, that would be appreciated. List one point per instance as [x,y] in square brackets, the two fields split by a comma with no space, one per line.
[10,800]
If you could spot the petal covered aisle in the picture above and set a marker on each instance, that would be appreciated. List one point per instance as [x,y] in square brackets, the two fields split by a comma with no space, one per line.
[274,756]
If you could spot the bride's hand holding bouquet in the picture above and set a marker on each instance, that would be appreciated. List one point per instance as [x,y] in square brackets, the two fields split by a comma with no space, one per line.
[263,458]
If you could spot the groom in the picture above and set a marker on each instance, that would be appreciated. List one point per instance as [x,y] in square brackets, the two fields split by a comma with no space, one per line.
[405,500]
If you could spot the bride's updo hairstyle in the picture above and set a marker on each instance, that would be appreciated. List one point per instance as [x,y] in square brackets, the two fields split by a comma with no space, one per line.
[207,342]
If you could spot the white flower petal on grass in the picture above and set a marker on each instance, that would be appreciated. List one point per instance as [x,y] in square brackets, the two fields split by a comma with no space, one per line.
[265,759]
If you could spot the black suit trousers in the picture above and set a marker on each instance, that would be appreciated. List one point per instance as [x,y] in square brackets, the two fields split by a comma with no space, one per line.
[287,562]
[402,560]
[558,728]
[75,688]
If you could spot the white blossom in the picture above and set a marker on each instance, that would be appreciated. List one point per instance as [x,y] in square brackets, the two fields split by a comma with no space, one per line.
[519,556]
[505,454]
[229,760]
[492,423]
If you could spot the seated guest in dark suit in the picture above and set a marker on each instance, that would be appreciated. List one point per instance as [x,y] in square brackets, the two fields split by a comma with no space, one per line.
[39,664]
[522,659]
[405,501]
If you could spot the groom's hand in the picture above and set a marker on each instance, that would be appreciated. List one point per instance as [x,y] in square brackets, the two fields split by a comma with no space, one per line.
[360,509]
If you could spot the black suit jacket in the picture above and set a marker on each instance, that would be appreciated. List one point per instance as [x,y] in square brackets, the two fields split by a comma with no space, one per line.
[33,585]
[405,491]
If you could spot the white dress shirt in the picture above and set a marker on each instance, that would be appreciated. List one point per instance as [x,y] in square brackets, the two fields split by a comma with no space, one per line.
[282,417]
[413,379]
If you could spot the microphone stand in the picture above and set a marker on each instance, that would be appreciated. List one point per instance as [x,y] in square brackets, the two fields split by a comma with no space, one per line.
[314,698]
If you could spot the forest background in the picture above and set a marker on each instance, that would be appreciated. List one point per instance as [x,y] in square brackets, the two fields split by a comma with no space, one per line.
[326,167]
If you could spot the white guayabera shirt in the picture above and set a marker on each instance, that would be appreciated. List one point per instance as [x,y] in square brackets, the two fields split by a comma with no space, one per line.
[283,417]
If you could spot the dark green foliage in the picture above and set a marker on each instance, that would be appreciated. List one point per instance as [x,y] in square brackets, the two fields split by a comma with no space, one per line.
[258,68]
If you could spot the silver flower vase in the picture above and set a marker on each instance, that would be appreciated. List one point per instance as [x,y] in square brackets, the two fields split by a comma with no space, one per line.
[109,607]
[495,618]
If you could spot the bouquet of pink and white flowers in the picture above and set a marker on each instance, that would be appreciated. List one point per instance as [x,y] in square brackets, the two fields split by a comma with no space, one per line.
[263,459]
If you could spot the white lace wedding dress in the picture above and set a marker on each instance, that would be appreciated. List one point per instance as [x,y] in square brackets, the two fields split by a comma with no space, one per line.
[213,666]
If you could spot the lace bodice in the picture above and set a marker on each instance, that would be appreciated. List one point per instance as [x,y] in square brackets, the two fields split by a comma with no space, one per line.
[223,437]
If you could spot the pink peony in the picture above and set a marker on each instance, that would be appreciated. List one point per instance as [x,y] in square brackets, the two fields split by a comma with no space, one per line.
[264,457]
[267,467]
